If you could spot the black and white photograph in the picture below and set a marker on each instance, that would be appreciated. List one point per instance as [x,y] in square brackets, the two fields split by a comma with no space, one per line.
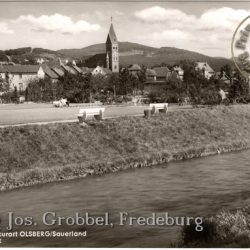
[124,124]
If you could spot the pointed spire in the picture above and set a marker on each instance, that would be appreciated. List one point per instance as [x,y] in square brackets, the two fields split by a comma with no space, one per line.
[112,34]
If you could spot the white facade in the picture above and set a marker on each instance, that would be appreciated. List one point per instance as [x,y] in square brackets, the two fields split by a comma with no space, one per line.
[99,71]
[21,80]
[206,69]
[179,71]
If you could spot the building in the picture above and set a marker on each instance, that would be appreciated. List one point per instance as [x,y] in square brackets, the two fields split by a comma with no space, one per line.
[179,72]
[69,69]
[151,75]
[206,70]
[112,51]
[19,76]
[58,70]
[162,73]
[101,71]
[223,77]
[134,69]
[50,73]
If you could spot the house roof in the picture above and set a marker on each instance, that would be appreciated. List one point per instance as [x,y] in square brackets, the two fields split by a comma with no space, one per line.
[134,67]
[49,72]
[20,69]
[222,76]
[150,72]
[104,70]
[204,65]
[161,71]
[58,71]
[77,69]
[69,69]
[111,34]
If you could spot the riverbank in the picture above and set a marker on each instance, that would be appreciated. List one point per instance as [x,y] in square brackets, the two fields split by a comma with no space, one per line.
[229,229]
[44,153]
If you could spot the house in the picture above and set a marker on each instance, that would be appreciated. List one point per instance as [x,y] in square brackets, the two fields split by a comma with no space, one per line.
[68,69]
[19,76]
[222,76]
[134,69]
[206,70]
[77,69]
[179,72]
[151,75]
[101,71]
[162,73]
[50,73]
[58,70]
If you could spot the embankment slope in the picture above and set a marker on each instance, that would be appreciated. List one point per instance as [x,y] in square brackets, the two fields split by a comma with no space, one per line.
[45,153]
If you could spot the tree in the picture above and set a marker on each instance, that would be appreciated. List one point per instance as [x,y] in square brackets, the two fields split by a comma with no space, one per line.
[227,69]
[114,83]
[239,89]
[4,85]
[175,90]
[200,90]
[142,78]
[15,95]
[125,84]
[76,88]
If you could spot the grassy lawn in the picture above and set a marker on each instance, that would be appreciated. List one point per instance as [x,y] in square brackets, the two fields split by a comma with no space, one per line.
[226,229]
[35,154]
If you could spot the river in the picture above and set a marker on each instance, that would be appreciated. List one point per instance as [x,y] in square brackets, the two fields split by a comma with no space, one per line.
[198,187]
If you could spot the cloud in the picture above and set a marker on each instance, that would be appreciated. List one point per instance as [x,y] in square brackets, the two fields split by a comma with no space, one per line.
[159,14]
[58,23]
[118,13]
[224,17]
[172,27]
[4,29]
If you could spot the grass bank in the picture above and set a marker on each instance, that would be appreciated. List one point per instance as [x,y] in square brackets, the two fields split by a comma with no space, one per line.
[226,229]
[44,153]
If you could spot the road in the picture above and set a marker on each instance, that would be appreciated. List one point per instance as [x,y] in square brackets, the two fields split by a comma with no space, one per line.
[11,114]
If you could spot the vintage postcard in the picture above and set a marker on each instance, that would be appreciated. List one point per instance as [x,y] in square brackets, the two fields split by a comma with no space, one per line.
[125,124]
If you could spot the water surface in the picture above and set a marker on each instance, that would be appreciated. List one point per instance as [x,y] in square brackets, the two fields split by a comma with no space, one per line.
[198,187]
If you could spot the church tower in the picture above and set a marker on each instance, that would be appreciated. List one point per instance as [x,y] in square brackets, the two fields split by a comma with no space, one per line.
[112,53]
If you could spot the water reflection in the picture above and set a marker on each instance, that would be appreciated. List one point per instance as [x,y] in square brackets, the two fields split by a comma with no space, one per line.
[198,187]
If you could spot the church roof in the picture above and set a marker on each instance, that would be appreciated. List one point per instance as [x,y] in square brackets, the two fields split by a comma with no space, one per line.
[111,34]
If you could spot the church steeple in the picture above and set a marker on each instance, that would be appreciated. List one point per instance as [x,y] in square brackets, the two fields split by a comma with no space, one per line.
[112,54]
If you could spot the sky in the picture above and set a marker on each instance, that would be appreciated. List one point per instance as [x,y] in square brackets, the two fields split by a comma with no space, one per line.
[204,27]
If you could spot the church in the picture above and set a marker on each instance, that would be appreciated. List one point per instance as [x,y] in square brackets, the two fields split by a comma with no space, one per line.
[110,59]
